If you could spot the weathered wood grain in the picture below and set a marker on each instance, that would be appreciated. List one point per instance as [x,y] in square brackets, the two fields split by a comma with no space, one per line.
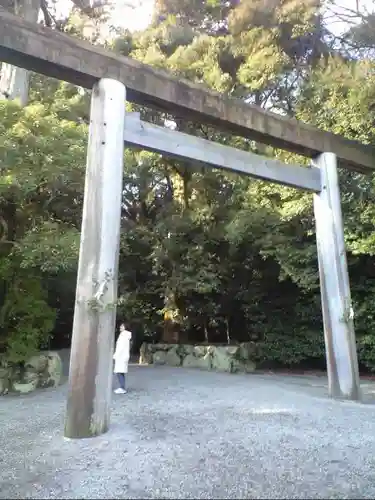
[57,55]
[342,362]
[90,376]
[179,145]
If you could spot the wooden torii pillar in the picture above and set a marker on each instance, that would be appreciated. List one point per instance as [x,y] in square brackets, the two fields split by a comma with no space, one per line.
[90,375]
[339,334]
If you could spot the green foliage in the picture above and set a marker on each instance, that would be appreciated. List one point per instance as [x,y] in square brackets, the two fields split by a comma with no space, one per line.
[292,349]
[26,318]
[366,351]
[49,247]
[227,258]
[217,245]
[41,183]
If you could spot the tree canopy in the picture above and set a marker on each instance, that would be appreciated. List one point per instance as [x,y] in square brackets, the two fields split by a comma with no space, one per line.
[205,256]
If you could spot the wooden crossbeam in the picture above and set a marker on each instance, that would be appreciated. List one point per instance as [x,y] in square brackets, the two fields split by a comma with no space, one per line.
[57,55]
[184,146]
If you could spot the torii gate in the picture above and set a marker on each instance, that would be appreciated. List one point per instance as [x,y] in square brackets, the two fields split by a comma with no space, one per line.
[111,77]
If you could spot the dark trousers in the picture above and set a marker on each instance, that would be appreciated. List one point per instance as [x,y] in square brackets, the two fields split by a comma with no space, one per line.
[121,380]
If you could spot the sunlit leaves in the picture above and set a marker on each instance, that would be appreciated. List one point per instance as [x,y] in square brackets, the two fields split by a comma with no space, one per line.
[50,247]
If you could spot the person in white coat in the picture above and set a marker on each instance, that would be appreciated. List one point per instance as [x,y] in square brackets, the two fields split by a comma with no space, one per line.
[121,357]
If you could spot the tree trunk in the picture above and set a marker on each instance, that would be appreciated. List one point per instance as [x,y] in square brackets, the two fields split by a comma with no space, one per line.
[179,183]
[206,332]
[171,334]
[14,81]
[228,331]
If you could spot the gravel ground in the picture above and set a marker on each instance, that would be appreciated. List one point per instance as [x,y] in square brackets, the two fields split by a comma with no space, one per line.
[188,434]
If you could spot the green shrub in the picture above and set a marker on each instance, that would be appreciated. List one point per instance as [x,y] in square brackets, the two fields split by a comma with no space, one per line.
[26,320]
[291,349]
[366,351]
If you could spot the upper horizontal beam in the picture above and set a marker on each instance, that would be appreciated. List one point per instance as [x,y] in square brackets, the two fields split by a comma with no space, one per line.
[60,56]
[179,145]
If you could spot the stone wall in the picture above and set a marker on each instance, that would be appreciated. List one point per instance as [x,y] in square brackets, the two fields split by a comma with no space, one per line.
[228,358]
[41,370]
